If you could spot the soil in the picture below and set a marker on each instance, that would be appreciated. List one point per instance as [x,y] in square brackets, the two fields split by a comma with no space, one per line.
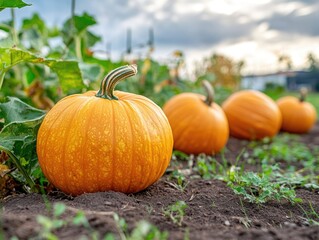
[213,210]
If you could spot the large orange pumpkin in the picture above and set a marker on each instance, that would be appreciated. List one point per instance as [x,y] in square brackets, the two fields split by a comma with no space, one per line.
[252,115]
[198,125]
[99,141]
[298,116]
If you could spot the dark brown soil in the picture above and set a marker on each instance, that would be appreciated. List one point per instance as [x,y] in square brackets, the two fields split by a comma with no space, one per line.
[213,212]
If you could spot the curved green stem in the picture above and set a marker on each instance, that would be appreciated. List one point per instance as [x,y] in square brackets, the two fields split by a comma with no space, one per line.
[112,78]
[16,162]
[303,94]
[2,73]
[210,92]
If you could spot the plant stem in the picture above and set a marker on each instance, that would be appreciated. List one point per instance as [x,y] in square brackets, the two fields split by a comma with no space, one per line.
[2,73]
[76,37]
[303,94]
[112,78]
[16,162]
[13,29]
[78,50]
[210,92]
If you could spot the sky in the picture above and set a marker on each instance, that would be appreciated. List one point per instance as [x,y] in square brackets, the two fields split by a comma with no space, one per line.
[256,31]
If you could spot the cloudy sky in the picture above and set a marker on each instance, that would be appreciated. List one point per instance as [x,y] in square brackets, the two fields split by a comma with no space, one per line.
[256,31]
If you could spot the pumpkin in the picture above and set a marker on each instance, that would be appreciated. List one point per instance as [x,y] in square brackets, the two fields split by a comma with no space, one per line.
[252,115]
[199,125]
[298,116]
[105,140]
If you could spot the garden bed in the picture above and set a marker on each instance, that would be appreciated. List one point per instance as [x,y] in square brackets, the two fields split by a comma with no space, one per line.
[209,209]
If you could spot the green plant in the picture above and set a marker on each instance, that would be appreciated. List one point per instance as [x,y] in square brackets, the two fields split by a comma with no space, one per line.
[180,179]
[58,219]
[18,138]
[142,231]
[176,212]
[208,167]
[260,187]
[312,217]
[48,225]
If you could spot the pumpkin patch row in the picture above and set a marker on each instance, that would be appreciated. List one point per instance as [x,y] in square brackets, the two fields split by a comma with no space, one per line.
[113,140]
[200,126]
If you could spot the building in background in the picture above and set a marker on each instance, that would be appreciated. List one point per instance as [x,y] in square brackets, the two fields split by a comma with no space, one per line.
[289,80]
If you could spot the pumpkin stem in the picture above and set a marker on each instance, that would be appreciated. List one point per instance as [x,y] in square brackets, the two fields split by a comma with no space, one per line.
[303,94]
[112,78]
[210,92]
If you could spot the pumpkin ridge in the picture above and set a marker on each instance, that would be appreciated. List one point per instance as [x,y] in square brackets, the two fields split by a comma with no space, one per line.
[85,158]
[148,175]
[127,103]
[66,140]
[181,128]
[47,142]
[162,163]
[113,143]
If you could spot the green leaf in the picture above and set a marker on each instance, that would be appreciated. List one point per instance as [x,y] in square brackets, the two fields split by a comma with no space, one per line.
[58,209]
[91,72]
[69,75]
[68,72]
[83,22]
[17,111]
[12,4]
[18,137]
[34,22]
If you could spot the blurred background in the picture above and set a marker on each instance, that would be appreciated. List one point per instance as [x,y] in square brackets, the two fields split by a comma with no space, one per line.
[267,45]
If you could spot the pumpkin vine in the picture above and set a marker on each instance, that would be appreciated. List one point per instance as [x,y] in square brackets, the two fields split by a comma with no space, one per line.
[112,78]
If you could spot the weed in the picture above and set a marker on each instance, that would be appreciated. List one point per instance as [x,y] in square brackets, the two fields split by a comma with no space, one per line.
[258,188]
[176,212]
[49,225]
[311,215]
[208,167]
[143,230]
[246,221]
[179,177]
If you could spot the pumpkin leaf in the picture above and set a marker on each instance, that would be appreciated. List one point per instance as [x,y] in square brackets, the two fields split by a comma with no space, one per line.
[18,138]
[68,72]
[12,4]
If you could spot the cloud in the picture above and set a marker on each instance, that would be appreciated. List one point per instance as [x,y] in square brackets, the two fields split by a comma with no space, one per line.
[239,28]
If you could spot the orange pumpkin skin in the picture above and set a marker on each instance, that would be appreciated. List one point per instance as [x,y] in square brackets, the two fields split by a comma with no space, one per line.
[197,127]
[297,116]
[89,144]
[252,115]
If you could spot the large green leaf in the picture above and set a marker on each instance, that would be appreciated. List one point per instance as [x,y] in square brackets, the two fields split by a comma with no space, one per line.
[18,137]
[12,4]
[68,72]
[83,22]
[17,111]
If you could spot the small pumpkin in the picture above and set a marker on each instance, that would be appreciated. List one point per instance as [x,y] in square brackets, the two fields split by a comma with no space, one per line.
[99,141]
[199,125]
[298,116]
[252,115]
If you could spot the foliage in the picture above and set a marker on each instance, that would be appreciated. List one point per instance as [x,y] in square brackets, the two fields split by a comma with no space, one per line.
[260,188]
[220,71]
[176,212]
[12,4]
[143,230]
[18,137]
